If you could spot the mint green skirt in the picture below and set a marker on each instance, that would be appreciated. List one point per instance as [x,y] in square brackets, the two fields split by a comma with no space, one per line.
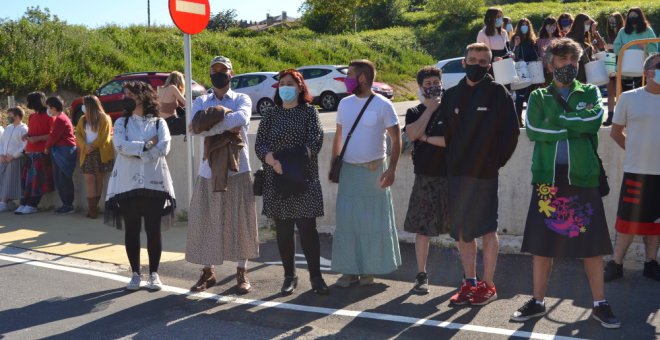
[365,240]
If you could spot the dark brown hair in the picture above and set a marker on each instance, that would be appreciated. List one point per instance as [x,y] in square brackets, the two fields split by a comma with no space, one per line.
[562,17]
[530,36]
[37,101]
[55,102]
[489,21]
[543,33]
[562,47]
[641,26]
[577,32]
[366,67]
[16,111]
[427,72]
[147,96]
[611,33]
[303,96]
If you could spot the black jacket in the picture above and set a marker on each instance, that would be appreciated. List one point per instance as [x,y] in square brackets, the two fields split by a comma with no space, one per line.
[481,128]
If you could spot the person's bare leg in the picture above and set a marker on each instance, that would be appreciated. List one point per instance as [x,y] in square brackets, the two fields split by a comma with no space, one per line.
[491,247]
[541,269]
[468,252]
[90,185]
[422,252]
[611,93]
[621,246]
[652,243]
[593,267]
[100,182]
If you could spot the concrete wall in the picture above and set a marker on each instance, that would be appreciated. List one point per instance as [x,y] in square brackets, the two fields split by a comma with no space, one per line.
[514,196]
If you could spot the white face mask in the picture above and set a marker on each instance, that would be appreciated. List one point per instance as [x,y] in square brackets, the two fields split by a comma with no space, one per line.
[587,27]
[83,108]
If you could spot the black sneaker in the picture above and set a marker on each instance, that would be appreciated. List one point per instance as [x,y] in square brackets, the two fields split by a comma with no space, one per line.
[421,286]
[603,314]
[529,310]
[652,270]
[613,271]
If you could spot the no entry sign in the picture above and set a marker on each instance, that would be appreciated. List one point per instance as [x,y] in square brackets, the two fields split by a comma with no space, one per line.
[190,16]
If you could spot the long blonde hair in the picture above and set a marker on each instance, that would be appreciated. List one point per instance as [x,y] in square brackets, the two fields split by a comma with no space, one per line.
[94,112]
[176,78]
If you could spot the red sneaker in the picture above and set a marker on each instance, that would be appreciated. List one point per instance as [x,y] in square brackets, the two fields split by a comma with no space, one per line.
[483,294]
[463,296]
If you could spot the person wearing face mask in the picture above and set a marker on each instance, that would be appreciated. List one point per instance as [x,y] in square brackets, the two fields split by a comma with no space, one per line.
[481,133]
[636,27]
[37,172]
[140,186]
[427,214]
[524,42]
[94,139]
[289,139]
[614,25]
[61,145]
[11,157]
[365,241]
[639,211]
[508,26]
[566,218]
[549,32]
[494,34]
[222,225]
[564,21]
[581,33]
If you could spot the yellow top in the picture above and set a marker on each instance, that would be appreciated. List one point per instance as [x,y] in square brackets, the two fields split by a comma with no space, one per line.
[103,142]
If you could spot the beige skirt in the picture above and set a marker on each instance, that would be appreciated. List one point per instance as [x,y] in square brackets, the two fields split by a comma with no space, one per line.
[222,226]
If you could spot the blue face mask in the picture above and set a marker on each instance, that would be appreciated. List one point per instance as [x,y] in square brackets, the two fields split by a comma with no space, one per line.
[524,29]
[509,27]
[499,22]
[83,108]
[287,93]
[656,79]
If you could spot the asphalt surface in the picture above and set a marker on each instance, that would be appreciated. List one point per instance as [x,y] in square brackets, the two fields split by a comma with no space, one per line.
[50,297]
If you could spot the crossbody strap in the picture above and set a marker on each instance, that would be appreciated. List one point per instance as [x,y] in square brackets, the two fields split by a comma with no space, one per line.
[350,133]
[567,108]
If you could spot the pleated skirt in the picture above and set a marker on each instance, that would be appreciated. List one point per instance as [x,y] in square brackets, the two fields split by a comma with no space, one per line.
[10,179]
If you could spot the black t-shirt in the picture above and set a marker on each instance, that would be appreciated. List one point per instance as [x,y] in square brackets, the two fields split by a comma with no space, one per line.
[428,159]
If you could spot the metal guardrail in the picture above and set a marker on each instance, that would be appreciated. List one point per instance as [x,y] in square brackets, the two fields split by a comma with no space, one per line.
[619,61]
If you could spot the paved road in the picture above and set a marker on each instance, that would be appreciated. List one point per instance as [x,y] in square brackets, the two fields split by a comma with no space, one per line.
[50,296]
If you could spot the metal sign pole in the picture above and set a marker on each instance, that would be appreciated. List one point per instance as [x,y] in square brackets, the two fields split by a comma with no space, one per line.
[189,114]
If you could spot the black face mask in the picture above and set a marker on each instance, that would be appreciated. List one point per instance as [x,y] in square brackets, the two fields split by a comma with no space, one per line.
[475,72]
[220,80]
[129,104]
[633,21]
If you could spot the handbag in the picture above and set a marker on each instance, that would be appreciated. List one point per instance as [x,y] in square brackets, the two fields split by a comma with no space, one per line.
[603,185]
[258,184]
[335,167]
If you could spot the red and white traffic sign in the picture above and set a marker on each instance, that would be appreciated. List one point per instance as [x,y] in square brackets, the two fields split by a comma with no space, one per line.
[190,16]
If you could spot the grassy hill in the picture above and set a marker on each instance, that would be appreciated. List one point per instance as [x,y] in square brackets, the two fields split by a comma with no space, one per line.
[50,55]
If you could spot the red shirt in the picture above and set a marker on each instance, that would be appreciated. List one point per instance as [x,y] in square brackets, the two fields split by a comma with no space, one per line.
[62,132]
[39,124]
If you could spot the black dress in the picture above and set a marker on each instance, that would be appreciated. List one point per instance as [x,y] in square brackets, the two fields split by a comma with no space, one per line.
[282,129]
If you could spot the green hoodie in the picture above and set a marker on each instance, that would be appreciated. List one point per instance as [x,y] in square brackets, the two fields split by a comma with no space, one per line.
[547,123]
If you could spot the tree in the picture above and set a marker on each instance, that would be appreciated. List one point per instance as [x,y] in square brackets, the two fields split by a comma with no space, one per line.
[223,20]
[37,16]
[457,10]
[344,15]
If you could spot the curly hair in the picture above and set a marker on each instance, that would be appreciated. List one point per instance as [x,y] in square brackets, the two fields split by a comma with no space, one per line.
[146,94]
[303,97]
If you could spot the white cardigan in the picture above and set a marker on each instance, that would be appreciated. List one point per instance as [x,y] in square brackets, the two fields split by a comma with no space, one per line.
[10,141]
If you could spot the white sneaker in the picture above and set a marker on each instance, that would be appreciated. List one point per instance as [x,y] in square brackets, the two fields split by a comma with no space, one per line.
[154,282]
[3,207]
[29,210]
[135,282]
[19,210]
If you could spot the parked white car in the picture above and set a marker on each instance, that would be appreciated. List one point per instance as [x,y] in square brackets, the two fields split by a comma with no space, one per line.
[452,71]
[260,86]
[325,84]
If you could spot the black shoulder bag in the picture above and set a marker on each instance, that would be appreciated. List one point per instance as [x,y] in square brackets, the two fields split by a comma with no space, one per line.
[335,168]
[603,186]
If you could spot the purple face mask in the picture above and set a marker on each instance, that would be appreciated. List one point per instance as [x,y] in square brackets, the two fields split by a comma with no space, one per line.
[351,84]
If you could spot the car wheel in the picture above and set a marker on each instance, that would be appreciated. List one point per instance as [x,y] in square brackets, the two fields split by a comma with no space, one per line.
[329,101]
[264,104]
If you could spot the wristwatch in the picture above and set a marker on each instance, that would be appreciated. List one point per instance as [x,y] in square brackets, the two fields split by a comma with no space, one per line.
[148,145]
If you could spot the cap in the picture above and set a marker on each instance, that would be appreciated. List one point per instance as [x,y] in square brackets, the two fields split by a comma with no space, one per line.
[221,60]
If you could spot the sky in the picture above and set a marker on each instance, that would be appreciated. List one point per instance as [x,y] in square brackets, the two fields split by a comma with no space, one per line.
[95,13]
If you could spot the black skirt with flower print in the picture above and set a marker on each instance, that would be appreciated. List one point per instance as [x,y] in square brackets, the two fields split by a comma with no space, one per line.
[566,221]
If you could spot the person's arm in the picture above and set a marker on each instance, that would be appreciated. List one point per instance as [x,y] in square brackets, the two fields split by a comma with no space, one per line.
[162,146]
[178,96]
[387,178]
[103,133]
[416,129]
[124,146]
[652,47]
[55,134]
[262,144]
[618,135]
[510,127]
[434,140]
[237,118]
[618,41]
[587,120]
[537,126]
[314,141]
[481,37]
[19,141]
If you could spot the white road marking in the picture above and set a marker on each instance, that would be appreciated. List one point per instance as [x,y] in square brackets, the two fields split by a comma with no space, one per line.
[190,7]
[300,308]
